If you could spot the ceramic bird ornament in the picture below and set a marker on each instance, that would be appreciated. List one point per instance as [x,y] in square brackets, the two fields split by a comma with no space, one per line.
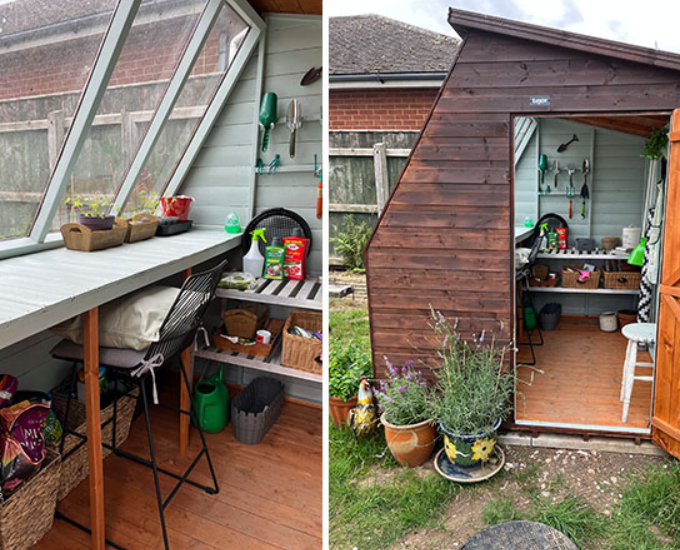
[363,419]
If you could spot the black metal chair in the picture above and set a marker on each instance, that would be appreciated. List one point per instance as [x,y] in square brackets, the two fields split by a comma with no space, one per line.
[522,276]
[177,333]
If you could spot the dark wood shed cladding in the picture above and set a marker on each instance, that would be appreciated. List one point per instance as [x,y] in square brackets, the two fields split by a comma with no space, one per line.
[446,238]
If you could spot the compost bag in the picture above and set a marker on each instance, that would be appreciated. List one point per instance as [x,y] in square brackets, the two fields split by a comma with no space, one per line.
[22,444]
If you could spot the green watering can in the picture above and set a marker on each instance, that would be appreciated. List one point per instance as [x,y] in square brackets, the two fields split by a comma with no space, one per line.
[267,117]
[212,403]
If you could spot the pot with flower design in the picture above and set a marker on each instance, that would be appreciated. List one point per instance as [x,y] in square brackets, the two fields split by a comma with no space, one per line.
[472,395]
[348,363]
[404,402]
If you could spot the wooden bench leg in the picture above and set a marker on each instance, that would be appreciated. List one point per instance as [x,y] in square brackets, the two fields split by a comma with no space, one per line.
[184,402]
[94,432]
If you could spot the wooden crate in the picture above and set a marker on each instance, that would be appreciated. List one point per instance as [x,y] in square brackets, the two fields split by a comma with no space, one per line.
[78,237]
[275,326]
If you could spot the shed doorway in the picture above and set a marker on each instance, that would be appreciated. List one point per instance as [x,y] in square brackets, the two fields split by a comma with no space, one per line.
[588,175]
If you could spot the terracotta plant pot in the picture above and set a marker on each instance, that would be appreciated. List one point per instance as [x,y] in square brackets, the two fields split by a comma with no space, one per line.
[340,410]
[410,445]
[95,223]
[469,450]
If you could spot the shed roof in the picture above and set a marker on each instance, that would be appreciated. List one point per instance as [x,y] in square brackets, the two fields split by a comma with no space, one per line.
[462,20]
[373,44]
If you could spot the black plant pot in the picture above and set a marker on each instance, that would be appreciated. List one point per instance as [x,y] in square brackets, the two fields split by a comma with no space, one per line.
[95,223]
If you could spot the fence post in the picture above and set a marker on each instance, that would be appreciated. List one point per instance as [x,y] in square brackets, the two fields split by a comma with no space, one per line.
[55,135]
[382,184]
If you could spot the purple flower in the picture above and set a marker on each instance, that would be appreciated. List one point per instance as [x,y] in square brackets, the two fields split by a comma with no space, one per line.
[408,376]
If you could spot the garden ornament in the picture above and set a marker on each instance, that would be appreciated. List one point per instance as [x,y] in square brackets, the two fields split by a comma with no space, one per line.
[363,419]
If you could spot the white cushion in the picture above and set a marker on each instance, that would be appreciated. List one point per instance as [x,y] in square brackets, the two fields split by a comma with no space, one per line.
[131,322]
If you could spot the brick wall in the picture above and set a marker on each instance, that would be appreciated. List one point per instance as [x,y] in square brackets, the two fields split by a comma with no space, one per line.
[388,109]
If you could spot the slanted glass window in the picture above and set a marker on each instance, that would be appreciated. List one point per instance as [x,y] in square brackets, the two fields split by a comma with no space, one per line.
[47,49]
[217,54]
[152,50]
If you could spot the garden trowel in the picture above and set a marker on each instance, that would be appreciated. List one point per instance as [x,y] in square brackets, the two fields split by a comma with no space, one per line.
[267,117]
[294,122]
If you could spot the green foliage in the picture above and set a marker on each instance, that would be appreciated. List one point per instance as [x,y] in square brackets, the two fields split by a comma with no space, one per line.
[347,364]
[350,243]
[657,144]
[404,396]
[572,516]
[500,511]
[146,202]
[94,206]
[474,390]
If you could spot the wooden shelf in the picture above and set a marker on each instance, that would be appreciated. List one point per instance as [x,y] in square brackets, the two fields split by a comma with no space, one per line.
[559,289]
[307,294]
[271,364]
[571,254]
[287,168]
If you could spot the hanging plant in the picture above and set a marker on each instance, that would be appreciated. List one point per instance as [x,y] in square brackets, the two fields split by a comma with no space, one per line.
[656,145]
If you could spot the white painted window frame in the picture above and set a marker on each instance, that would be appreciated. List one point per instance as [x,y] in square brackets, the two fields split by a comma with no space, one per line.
[105,62]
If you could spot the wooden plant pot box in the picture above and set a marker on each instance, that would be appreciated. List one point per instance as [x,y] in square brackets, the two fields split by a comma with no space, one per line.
[570,279]
[255,410]
[245,320]
[275,326]
[78,237]
[141,227]
[75,465]
[298,352]
[27,515]
[622,280]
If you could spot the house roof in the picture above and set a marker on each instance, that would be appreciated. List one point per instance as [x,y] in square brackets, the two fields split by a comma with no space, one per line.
[373,44]
[462,20]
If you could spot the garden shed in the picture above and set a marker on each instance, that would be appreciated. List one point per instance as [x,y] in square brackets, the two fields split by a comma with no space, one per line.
[496,156]
[122,100]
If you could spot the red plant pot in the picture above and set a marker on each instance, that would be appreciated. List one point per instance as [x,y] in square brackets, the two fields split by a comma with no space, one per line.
[176,207]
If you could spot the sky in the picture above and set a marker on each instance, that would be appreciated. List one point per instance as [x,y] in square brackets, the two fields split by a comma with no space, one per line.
[652,23]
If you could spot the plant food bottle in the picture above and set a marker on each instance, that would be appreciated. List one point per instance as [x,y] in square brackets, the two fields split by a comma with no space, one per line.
[273,264]
[295,257]
[253,262]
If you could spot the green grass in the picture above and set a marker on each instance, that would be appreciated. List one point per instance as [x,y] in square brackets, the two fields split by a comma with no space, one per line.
[374,502]
[348,323]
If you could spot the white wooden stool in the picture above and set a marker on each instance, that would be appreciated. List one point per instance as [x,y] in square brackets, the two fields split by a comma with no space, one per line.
[636,333]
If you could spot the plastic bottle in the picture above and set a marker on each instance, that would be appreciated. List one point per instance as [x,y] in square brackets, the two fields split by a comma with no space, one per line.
[274,254]
[544,238]
[233,225]
[295,257]
[253,262]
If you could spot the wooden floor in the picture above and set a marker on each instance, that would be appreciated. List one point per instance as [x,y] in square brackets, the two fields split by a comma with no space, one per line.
[581,379]
[270,494]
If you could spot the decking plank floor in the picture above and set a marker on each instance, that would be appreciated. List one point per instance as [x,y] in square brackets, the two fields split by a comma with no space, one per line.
[270,494]
[581,381]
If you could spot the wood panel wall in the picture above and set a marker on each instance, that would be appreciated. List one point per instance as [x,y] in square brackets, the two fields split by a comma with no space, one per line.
[445,239]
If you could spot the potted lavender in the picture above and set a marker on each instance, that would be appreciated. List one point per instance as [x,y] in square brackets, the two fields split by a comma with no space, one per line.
[404,402]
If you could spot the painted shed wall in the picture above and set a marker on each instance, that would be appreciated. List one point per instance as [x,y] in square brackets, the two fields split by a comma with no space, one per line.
[445,238]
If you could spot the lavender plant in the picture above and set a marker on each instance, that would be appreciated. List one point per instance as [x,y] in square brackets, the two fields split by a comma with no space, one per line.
[404,396]
[474,388]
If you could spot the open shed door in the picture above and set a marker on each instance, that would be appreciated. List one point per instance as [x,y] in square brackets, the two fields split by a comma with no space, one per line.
[666,417]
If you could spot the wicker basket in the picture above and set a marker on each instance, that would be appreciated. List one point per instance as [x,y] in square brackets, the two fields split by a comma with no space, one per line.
[245,320]
[298,352]
[610,243]
[28,514]
[540,271]
[544,282]
[622,280]
[75,464]
[570,279]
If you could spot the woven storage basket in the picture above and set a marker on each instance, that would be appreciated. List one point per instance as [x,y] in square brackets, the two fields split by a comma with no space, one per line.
[245,320]
[622,280]
[298,352]
[570,279]
[28,514]
[255,409]
[75,465]
[610,243]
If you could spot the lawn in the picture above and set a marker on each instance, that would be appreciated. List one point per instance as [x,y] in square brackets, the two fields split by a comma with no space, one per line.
[602,501]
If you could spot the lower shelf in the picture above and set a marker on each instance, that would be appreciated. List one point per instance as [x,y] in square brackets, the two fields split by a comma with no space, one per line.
[271,364]
[559,289]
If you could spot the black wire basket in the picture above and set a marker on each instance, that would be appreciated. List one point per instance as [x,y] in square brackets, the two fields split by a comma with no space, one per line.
[278,222]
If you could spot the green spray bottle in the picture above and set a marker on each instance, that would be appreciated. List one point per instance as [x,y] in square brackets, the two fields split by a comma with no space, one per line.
[253,262]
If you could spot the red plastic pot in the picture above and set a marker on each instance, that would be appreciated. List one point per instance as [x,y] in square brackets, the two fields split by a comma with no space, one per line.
[177,207]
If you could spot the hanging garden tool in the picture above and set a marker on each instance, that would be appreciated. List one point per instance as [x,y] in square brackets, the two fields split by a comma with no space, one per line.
[556,170]
[542,167]
[571,190]
[563,147]
[311,76]
[293,121]
[274,164]
[585,192]
[267,117]
[318,172]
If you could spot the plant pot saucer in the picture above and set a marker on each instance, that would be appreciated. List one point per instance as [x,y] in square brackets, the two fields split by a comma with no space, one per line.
[466,476]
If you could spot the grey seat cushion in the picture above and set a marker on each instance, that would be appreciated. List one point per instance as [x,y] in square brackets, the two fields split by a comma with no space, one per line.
[108,357]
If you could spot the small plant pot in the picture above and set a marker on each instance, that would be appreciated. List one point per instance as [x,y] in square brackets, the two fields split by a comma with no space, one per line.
[468,450]
[410,445]
[95,223]
[340,410]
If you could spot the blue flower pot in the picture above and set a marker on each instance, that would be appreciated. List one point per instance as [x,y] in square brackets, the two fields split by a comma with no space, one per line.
[469,450]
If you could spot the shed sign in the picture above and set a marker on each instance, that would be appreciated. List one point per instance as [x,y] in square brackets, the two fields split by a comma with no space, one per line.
[539,100]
